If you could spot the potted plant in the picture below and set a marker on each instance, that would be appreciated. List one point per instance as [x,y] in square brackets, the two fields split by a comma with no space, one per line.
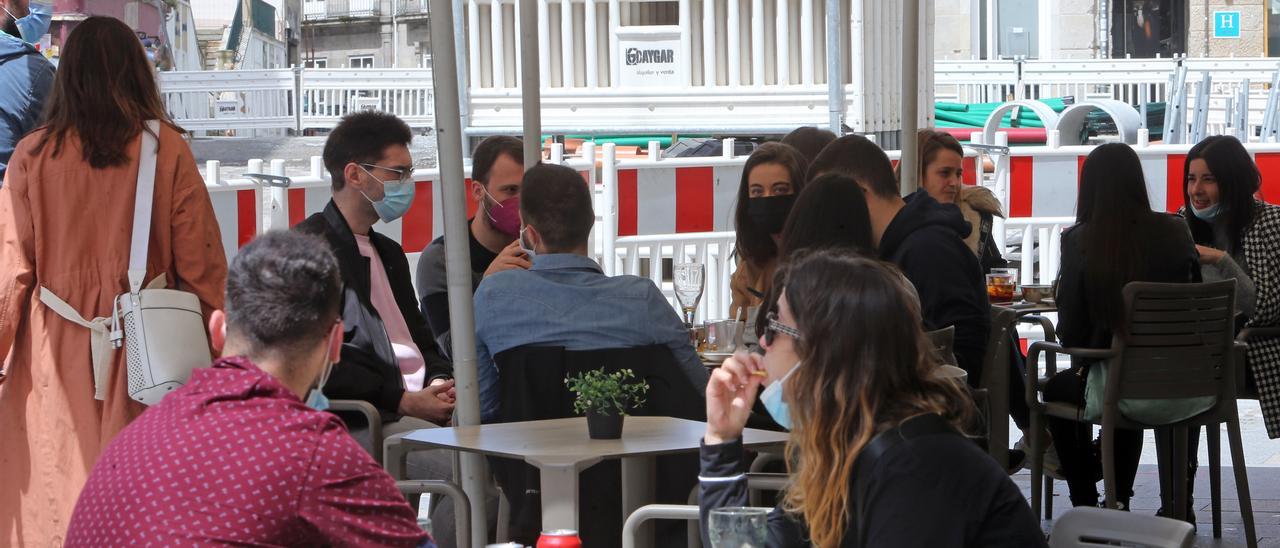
[605,398]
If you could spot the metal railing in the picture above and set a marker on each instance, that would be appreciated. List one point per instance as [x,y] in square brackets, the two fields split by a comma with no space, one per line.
[412,7]
[294,98]
[339,9]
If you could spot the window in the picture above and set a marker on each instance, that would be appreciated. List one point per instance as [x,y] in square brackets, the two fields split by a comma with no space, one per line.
[315,63]
[360,61]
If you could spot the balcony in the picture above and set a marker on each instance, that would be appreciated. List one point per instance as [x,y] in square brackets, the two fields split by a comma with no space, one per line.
[412,7]
[319,10]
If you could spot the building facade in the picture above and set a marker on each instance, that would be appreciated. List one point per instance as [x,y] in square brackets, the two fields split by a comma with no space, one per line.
[365,34]
[1085,29]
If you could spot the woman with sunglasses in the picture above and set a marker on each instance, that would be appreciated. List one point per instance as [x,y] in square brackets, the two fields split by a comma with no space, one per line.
[876,455]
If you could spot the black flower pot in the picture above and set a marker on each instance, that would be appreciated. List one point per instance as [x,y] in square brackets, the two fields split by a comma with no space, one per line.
[604,427]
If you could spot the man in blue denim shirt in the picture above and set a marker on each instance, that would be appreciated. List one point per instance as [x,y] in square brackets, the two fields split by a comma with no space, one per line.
[565,299]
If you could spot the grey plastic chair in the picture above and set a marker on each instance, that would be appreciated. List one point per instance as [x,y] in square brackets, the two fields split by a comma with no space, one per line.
[461,504]
[943,343]
[1179,346]
[993,390]
[367,412]
[1091,527]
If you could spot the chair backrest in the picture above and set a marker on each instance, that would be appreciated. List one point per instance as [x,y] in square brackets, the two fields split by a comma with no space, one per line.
[942,341]
[1085,527]
[995,363]
[1178,341]
[532,381]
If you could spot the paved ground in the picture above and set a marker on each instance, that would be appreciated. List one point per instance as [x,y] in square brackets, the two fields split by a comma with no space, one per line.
[1263,458]
[235,152]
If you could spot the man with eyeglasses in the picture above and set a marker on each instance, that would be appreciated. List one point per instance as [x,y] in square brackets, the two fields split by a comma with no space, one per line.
[388,353]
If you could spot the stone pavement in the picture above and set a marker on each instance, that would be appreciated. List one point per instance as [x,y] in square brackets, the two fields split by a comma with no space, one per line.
[1263,458]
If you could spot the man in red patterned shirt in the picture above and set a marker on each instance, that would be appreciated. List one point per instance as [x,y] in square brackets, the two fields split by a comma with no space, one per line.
[236,456]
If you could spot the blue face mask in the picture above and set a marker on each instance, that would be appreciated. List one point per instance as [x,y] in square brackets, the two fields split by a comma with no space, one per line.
[1209,213]
[527,249]
[771,398]
[35,24]
[316,398]
[396,198]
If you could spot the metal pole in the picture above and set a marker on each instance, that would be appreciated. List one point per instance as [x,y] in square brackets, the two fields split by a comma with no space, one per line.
[910,95]
[457,254]
[835,76]
[530,92]
[464,72]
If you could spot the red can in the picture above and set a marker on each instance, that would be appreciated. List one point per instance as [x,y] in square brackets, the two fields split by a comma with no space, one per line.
[560,538]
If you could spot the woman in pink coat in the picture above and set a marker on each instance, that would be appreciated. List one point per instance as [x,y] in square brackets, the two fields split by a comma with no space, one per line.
[66,216]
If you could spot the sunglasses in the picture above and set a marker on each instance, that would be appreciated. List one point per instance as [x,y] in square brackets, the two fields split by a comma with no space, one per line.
[774,327]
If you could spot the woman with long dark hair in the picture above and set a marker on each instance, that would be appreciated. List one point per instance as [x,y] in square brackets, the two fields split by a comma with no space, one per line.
[1238,236]
[876,455]
[771,179]
[66,219]
[1117,239]
[808,141]
[831,212]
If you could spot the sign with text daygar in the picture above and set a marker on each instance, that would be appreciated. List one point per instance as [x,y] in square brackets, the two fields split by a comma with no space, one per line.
[651,57]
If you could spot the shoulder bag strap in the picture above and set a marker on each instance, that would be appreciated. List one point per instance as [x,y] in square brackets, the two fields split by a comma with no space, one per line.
[142,205]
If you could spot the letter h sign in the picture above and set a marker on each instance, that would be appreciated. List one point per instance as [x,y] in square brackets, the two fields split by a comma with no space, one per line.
[1226,24]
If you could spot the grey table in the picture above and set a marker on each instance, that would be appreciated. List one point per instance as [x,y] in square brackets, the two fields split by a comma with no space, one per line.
[560,449]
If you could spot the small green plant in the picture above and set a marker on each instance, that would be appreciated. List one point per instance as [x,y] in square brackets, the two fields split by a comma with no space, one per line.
[606,393]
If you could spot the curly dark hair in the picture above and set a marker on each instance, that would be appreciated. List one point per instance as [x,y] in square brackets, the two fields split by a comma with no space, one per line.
[284,292]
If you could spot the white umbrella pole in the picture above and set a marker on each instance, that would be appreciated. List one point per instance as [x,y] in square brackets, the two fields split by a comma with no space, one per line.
[836,27]
[474,477]
[910,94]
[530,92]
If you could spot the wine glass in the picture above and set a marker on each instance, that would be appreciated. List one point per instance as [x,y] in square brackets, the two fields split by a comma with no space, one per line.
[689,280]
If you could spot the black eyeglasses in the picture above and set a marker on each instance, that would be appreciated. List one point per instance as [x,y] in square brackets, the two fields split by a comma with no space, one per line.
[774,327]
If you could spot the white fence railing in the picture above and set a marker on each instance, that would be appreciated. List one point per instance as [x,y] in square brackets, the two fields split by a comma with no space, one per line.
[318,98]
[294,98]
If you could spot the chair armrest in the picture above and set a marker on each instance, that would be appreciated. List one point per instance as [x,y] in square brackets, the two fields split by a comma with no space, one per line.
[461,503]
[1257,333]
[1050,331]
[655,511]
[767,482]
[1033,362]
[371,416]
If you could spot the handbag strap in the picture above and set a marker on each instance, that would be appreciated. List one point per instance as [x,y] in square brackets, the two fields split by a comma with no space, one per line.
[142,205]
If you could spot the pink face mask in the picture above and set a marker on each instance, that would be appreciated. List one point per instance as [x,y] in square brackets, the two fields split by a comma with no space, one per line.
[504,215]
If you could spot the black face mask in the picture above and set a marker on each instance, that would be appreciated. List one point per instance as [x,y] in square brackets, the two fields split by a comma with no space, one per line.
[769,214]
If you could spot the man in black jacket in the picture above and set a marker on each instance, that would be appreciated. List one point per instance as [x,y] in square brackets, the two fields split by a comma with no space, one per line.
[925,239]
[385,336]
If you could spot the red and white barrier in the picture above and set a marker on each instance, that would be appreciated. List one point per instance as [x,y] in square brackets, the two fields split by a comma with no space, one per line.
[1044,181]
[244,209]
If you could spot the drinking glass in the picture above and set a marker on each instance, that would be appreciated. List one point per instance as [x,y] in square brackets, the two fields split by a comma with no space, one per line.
[689,280]
[1001,285]
[739,527]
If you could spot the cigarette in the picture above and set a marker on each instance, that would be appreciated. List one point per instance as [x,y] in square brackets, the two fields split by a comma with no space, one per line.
[759,373]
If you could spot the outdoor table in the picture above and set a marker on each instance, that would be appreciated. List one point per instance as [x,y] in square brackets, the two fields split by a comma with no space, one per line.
[560,449]
[1025,308]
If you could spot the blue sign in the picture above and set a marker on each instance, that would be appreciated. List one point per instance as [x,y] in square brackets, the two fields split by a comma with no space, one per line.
[1226,24]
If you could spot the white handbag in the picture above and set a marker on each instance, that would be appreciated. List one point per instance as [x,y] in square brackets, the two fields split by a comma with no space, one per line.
[163,330]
